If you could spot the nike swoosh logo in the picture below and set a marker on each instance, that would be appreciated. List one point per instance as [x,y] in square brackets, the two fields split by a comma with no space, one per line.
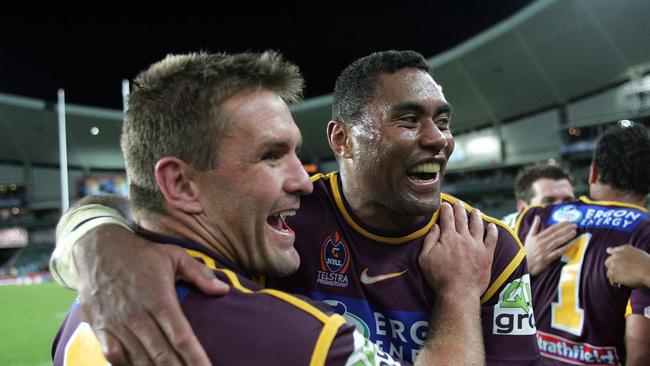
[369,280]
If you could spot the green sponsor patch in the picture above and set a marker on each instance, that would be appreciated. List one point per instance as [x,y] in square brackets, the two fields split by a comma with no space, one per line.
[517,294]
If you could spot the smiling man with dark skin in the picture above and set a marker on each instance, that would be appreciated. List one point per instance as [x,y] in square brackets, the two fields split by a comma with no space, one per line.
[360,233]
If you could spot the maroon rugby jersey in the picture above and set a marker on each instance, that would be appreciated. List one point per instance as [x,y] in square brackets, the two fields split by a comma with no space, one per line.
[248,326]
[372,278]
[580,316]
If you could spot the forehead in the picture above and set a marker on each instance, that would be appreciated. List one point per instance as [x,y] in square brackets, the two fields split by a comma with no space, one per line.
[550,187]
[408,86]
[257,117]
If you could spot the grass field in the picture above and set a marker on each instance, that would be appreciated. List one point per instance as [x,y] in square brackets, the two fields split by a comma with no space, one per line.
[29,318]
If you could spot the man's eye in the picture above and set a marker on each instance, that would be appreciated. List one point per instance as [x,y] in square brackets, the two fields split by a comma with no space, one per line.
[272,155]
[443,122]
[411,119]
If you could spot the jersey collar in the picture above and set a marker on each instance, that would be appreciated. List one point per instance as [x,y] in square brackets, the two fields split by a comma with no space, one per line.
[373,233]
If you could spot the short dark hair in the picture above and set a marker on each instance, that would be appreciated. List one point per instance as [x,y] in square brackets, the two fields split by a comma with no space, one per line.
[532,173]
[355,87]
[622,158]
[174,110]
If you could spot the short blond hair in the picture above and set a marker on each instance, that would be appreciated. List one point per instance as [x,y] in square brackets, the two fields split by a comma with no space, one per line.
[174,110]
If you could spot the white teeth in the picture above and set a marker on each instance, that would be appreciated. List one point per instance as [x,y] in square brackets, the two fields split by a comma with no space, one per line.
[284,214]
[425,168]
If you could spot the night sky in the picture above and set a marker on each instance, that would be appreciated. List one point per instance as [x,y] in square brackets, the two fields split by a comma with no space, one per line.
[89,54]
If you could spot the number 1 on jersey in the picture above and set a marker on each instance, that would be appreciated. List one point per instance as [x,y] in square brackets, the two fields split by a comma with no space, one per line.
[566,313]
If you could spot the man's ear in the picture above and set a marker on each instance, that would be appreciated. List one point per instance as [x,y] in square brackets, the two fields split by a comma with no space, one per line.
[339,140]
[593,174]
[175,181]
[521,205]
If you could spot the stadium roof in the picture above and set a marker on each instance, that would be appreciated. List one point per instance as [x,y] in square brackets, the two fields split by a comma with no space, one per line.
[549,54]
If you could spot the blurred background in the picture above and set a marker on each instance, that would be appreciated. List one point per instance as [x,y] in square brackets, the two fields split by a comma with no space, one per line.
[530,81]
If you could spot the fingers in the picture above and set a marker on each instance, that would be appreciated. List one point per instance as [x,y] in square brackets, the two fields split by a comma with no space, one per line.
[127,352]
[168,315]
[111,348]
[196,273]
[447,222]
[557,253]
[610,259]
[476,225]
[154,342]
[429,241]
[534,227]
[611,276]
[559,237]
[117,343]
[141,342]
[611,264]
[562,229]
[491,239]
[179,333]
[490,242]
[619,249]
[460,217]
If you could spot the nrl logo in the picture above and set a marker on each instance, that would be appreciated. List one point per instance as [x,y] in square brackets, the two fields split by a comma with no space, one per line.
[334,255]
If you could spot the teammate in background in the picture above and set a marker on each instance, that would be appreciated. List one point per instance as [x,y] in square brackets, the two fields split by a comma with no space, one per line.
[359,234]
[225,201]
[541,185]
[581,318]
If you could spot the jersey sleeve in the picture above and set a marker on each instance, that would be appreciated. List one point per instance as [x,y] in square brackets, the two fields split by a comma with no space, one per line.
[640,302]
[506,306]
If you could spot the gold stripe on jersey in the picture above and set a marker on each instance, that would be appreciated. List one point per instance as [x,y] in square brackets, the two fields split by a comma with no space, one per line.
[209,262]
[325,340]
[585,199]
[331,323]
[318,176]
[334,183]
[504,275]
[299,303]
[521,217]
[628,308]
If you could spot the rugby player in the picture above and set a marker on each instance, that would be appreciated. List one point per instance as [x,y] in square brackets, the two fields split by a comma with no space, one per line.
[543,184]
[581,318]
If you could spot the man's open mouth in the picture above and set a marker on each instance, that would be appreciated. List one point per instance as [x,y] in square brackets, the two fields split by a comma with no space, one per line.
[277,221]
[424,172]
